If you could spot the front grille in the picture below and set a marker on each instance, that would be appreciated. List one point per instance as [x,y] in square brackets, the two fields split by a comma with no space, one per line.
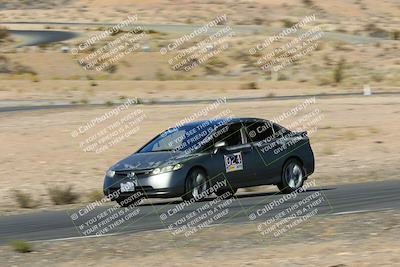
[138,173]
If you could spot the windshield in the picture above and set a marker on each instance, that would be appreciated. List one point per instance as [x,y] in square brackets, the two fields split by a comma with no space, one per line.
[186,139]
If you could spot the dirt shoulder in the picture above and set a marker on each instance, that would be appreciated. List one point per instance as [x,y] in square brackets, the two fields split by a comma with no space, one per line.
[364,239]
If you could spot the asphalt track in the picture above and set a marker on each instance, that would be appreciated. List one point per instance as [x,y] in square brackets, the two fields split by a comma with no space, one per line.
[334,200]
[14,106]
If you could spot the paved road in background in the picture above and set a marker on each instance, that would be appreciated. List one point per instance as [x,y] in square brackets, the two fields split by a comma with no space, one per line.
[334,200]
[36,37]
[30,105]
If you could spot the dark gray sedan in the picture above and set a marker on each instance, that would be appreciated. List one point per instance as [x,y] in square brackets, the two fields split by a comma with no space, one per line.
[218,156]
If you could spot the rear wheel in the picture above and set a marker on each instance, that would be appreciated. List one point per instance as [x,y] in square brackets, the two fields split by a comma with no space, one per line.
[292,176]
[196,185]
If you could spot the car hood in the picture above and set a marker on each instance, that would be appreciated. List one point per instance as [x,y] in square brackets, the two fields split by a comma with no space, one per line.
[151,160]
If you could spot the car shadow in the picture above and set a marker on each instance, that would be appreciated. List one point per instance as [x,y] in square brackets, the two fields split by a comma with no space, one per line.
[246,195]
[241,196]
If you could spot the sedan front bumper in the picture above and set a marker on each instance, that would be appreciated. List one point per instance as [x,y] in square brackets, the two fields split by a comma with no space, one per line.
[164,185]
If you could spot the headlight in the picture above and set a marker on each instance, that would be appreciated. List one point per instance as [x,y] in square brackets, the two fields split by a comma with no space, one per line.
[167,169]
[110,173]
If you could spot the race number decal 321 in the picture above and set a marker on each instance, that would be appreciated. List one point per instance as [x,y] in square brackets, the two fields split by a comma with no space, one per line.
[233,162]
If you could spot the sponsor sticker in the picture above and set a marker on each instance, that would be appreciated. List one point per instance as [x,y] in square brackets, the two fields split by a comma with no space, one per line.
[233,162]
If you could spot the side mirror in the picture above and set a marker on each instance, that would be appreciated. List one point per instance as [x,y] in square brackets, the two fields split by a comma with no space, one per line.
[219,145]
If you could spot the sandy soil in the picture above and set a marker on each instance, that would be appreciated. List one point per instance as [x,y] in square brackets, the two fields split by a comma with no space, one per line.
[59,75]
[78,92]
[155,11]
[39,152]
[319,241]
[356,141]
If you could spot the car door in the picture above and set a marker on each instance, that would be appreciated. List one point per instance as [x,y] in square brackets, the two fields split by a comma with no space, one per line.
[261,135]
[238,159]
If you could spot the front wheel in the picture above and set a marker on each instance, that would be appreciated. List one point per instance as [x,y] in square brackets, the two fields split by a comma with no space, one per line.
[196,185]
[292,177]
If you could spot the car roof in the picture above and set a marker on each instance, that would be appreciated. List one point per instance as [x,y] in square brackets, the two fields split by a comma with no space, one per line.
[224,121]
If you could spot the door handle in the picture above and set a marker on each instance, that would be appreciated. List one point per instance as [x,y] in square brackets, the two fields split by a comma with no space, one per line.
[247,149]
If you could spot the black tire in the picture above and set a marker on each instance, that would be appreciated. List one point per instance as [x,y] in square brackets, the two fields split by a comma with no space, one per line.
[292,177]
[222,191]
[196,185]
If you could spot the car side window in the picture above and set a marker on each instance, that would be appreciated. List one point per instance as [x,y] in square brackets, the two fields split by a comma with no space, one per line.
[259,131]
[280,131]
[170,141]
[232,136]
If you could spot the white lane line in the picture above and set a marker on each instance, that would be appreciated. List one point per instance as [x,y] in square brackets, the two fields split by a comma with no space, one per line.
[96,236]
[73,238]
[166,229]
[112,234]
[358,211]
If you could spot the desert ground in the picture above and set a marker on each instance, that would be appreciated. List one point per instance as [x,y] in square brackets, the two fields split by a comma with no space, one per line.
[44,72]
[354,140]
[321,241]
